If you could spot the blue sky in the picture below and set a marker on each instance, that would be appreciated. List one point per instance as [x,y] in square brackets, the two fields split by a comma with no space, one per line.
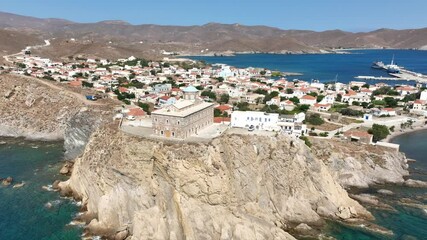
[350,15]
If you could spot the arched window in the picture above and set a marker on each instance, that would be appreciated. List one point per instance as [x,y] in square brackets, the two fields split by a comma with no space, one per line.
[161,132]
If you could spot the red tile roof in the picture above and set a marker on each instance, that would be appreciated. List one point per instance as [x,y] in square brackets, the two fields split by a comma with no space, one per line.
[136,112]
[221,119]
[223,108]
[308,97]
[123,89]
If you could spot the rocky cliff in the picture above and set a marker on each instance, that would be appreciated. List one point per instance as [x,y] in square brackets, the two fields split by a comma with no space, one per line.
[40,110]
[236,187]
[361,165]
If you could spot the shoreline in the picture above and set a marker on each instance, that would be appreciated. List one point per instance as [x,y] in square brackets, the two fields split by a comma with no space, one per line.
[398,133]
[302,52]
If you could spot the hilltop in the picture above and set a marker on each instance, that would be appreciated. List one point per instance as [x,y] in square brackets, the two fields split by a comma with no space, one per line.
[114,39]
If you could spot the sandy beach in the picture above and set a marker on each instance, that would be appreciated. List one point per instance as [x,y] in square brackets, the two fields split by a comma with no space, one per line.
[399,132]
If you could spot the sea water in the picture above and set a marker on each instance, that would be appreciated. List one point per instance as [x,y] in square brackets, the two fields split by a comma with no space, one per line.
[328,67]
[31,212]
[407,222]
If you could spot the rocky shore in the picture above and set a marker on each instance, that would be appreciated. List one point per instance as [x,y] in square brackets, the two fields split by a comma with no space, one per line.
[236,186]
[36,111]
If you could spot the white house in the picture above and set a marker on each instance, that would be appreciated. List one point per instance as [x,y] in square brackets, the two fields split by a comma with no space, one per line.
[420,105]
[256,120]
[293,124]
[328,99]
[423,96]
[308,100]
[287,105]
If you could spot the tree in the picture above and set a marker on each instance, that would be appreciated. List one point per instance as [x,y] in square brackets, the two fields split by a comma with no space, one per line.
[355,88]
[339,98]
[320,98]
[295,100]
[351,112]
[145,107]
[289,91]
[220,79]
[314,94]
[379,131]
[224,98]
[315,119]
[365,104]
[217,112]
[87,84]
[390,102]
[243,106]
[209,94]
[303,108]
[263,72]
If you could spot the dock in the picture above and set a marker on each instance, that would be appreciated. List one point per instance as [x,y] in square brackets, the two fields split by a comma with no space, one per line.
[401,74]
[381,78]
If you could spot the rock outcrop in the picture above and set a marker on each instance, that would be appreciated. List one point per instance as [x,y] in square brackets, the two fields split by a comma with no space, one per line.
[239,187]
[361,165]
[36,111]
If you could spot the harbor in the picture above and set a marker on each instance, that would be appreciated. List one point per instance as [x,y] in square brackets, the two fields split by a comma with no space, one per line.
[395,72]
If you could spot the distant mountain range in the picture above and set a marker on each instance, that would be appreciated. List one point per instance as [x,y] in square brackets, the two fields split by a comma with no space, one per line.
[113,39]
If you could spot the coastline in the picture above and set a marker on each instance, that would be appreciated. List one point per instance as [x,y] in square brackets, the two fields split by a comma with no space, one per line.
[399,132]
[284,52]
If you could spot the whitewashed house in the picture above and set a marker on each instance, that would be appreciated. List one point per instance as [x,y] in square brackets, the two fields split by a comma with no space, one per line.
[255,120]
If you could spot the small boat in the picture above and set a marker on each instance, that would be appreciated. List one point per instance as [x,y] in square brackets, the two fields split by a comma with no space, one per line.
[378,65]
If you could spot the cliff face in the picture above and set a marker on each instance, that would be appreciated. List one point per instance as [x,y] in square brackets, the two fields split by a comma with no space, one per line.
[31,109]
[360,165]
[240,187]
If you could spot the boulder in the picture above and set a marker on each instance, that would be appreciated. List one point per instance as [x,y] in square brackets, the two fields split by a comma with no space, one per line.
[303,228]
[121,235]
[7,181]
[343,213]
[67,168]
[55,185]
[19,185]
[415,183]
[385,192]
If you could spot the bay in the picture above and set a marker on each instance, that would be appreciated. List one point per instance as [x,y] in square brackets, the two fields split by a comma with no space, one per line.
[326,67]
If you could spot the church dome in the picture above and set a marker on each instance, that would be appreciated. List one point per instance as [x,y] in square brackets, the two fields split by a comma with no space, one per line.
[190,89]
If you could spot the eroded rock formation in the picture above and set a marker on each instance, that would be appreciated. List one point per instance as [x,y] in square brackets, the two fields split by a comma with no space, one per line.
[240,187]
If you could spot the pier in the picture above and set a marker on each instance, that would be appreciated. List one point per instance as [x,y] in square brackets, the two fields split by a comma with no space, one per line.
[403,75]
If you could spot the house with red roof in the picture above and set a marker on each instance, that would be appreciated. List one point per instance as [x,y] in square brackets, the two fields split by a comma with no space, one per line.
[225,108]
[358,136]
[318,107]
[420,105]
[167,100]
[308,100]
[287,105]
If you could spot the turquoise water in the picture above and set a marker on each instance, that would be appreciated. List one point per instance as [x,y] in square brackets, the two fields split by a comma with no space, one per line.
[325,67]
[23,212]
[407,222]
